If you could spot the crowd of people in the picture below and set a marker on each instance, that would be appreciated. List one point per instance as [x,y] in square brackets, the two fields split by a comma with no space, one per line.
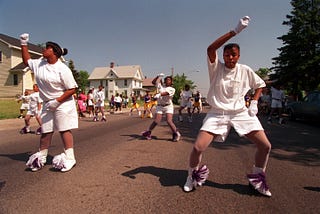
[230,106]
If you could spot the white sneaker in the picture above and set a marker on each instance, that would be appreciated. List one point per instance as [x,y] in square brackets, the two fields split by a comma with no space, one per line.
[189,185]
[65,161]
[259,183]
[68,164]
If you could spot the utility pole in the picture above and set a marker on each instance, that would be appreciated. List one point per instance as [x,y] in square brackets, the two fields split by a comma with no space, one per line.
[172,71]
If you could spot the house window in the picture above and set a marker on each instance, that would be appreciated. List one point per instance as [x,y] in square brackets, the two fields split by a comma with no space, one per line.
[125,82]
[15,79]
[0,56]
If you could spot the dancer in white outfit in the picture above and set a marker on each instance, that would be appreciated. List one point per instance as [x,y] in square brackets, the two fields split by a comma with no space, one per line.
[59,113]
[229,82]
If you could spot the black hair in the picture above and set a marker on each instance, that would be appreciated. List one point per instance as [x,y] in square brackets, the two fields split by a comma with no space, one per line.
[58,51]
[230,46]
[170,77]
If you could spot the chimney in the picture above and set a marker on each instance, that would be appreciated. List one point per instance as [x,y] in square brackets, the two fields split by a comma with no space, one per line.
[111,64]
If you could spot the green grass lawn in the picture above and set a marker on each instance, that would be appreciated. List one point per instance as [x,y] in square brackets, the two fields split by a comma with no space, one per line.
[9,108]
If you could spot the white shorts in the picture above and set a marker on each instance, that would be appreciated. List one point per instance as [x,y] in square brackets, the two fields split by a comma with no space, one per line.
[24,106]
[185,104]
[169,109]
[33,111]
[100,104]
[220,125]
[64,118]
[276,103]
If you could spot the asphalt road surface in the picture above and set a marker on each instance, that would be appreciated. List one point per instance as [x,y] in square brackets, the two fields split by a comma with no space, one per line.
[118,171]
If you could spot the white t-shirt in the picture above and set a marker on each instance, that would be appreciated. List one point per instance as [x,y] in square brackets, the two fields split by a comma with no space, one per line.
[229,86]
[185,95]
[277,94]
[52,79]
[99,96]
[117,99]
[166,100]
[34,100]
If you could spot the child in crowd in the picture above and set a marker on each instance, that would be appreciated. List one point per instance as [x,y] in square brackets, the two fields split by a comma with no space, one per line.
[34,110]
[164,106]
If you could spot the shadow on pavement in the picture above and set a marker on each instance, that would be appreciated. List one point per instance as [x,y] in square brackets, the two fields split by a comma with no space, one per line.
[24,157]
[171,177]
[316,189]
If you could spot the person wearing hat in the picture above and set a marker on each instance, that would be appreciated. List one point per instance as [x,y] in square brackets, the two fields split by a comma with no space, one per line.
[59,113]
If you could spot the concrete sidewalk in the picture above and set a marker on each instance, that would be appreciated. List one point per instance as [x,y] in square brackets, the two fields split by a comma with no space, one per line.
[9,124]
[16,123]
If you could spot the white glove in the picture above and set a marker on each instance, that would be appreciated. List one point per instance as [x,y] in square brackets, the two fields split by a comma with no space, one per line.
[157,96]
[161,75]
[24,39]
[243,23]
[253,108]
[52,105]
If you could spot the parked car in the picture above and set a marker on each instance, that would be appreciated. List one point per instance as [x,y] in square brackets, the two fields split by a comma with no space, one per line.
[308,108]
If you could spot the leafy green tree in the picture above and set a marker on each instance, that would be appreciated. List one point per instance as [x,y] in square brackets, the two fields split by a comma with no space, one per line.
[298,65]
[74,71]
[263,73]
[83,80]
[179,81]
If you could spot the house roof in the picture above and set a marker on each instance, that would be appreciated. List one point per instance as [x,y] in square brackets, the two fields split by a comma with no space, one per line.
[18,67]
[120,72]
[148,82]
[15,43]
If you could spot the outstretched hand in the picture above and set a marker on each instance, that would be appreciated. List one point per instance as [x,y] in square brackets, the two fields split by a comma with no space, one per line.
[243,23]
[24,39]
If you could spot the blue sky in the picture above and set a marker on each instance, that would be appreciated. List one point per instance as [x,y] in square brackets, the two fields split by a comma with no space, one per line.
[155,34]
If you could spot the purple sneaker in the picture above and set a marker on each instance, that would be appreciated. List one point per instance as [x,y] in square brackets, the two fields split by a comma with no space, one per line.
[147,135]
[24,130]
[200,175]
[259,183]
[197,178]
[176,136]
[38,132]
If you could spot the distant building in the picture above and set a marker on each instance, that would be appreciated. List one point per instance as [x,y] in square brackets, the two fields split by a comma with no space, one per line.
[15,77]
[125,80]
[148,86]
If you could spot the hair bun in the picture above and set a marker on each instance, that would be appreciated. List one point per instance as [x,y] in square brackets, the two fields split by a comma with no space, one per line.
[64,51]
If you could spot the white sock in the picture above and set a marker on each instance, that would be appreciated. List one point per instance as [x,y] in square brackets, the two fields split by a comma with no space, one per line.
[44,152]
[69,153]
[256,170]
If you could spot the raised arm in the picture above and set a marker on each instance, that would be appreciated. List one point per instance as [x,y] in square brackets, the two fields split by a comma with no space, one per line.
[24,38]
[211,50]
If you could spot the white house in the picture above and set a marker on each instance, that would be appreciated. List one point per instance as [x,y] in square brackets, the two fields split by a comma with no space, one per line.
[15,78]
[125,80]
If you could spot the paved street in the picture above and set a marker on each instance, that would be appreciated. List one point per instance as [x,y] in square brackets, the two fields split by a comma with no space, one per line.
[117,171]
